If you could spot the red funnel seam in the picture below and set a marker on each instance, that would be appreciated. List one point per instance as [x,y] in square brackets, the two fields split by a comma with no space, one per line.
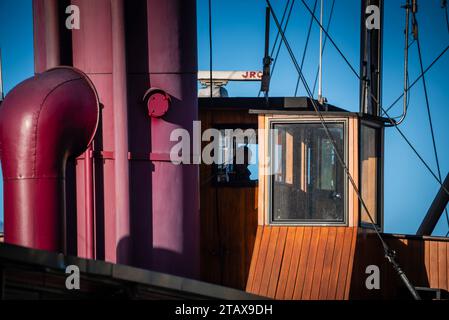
[43,121]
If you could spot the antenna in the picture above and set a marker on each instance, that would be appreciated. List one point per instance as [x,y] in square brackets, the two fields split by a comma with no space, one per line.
[1,78]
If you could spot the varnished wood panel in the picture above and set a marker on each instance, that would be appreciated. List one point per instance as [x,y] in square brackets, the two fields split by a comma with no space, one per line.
[297,253]
[302,262]
[287,257]
[328,263]
[277,261]
[423,259]
[228,215]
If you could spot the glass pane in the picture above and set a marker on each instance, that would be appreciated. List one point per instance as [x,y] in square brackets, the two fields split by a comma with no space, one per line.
[237,157]
[327,164]
[369,169]
[307,181]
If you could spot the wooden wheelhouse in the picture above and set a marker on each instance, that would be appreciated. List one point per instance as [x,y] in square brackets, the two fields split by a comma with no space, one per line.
[299,231]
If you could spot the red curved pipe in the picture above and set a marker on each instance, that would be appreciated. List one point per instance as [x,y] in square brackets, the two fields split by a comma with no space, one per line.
[43,121]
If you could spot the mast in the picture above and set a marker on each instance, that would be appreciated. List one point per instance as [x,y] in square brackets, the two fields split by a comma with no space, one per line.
[371,59]
[370,92]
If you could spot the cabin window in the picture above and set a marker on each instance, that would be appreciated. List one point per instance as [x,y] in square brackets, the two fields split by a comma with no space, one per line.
[237,157]
[370,171]
[307,182]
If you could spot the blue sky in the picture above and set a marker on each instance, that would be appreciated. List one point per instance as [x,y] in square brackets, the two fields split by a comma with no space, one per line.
[238,40]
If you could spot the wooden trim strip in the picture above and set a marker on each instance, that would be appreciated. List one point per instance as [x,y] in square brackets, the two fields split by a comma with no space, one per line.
[286,261]
[277,263]
[253,265]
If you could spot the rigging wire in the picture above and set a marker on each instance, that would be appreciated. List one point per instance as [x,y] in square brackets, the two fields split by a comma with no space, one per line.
[418,78]
[217,212]
[331,40]
[377,102]
[429,115]
[355,72]
[444,7]
[447,19]
[305,47]
[277,38]
[393,123]
[389,254]
[280,43]
[210,48]
[408,89]
[407,8]
[282,22]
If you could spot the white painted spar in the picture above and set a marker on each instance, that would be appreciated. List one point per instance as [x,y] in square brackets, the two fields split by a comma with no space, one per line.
[245,75]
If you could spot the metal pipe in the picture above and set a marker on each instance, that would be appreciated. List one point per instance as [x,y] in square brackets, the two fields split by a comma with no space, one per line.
[43,121]
[175,199]
[89,205]
[46,35]
[92,52]
[119,91]
[406,45]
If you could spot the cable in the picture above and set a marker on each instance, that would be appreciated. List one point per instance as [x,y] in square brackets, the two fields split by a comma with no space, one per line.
[444,7]
[393,124]
[380,106]
[280,43]
[447,19]
[419,78]
[412,147]
[210,48]
[217,213]
[407,8]
[389,254]
[305,47]
[277,37]
[282,22]
[301,75]
[352,68]
[429,115]
[331,40]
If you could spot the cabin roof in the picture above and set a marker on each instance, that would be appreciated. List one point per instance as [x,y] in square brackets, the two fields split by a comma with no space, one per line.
[280,105]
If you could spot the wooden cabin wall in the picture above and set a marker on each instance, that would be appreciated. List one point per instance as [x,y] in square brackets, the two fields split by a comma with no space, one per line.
[228,215]
[302,262]
[329,263]
[425,261]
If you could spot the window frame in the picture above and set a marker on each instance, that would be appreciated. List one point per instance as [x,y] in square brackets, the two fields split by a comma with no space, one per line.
[269,179]
[236,184]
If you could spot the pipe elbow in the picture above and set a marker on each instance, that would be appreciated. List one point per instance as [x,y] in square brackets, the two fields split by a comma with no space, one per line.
[44,120]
